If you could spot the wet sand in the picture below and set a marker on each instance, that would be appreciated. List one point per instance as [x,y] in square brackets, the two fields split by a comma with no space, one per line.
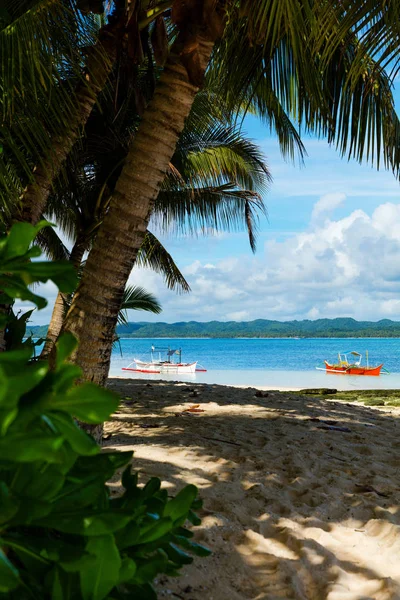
[301,494]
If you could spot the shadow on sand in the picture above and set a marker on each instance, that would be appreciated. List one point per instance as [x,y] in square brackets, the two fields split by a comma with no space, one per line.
[301,495]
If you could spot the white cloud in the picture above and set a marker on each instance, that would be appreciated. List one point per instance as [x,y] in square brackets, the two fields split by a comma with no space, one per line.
[327,204]
[344,267]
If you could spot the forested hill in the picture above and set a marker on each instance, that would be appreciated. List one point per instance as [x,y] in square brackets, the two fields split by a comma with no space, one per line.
[261,328]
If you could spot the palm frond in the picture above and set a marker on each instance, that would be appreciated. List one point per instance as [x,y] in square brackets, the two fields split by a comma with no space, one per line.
[51,244]
[37,86]
[319,72]
[197,211]
[153,255]
[214,153]
[376,25]
[136,298]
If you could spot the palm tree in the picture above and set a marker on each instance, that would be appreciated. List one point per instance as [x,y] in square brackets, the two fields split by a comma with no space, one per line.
[215,180]
[283,42]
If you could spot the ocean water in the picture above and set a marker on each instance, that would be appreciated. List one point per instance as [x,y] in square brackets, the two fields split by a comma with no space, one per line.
[268,362]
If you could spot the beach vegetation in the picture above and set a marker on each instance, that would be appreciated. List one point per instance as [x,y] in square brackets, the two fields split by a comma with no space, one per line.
[377,397]
[64,534]
[373,401]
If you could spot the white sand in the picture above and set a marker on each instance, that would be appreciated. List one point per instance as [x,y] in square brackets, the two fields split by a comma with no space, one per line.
[291,510]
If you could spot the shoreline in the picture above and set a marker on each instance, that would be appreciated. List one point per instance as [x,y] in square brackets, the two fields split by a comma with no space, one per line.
[297,338]
[272,380]
[199,383]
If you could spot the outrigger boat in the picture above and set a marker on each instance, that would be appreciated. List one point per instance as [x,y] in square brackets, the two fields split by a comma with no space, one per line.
[352,365]
[162,361]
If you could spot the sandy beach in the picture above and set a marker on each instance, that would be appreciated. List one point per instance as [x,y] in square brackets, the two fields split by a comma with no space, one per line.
[301,493]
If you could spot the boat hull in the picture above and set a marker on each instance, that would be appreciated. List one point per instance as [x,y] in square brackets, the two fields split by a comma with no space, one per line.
[164,367]
[353,370]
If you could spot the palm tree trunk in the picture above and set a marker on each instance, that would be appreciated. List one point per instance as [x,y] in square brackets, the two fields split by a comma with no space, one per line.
[99,64]
[93,313]
[58,315]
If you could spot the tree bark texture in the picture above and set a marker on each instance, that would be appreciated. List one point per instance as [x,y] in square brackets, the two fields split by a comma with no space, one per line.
[94,310]
[99,65]
[58,315]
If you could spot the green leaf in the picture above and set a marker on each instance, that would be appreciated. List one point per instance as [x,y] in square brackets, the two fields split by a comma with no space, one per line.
[127,570]
[128,480]
[34,373]
[7,417]
[99,579]
[8,503]
[128,536]
[56,588]
[9,576]
[14,361]
[80,441]
[193,518]
[20,237]
[28,554]
[30,447]
[87,402]
[62,273]
[43,485]
[86,523]
[177,555]
[31,509]
[15,288]
[80,494]
[151,568]
[178,507]
[65,377]
[156,530]
[197,549]
[151,487]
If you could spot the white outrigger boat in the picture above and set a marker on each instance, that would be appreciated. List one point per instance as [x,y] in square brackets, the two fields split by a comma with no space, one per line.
[162,361]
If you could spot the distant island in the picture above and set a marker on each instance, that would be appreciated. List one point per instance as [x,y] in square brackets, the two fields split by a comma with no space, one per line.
[260,328]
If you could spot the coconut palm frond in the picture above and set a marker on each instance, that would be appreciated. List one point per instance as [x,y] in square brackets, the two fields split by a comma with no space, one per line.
[254,94]
[73,201]
[11,187]
[327,82]
[203,210]
[376,25]
[153,255]
[221,153]
[136,298]
[37,101]
[51,244]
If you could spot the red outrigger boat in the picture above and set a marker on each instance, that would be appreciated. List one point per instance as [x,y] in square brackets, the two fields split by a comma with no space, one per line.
[352,366]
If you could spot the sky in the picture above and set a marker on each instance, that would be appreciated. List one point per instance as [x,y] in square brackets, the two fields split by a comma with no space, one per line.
[330,247]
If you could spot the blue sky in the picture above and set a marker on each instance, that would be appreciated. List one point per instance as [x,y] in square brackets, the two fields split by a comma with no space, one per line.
[330,247]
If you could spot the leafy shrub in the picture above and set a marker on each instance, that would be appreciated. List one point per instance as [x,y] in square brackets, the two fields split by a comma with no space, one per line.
[62,535]
[17,271]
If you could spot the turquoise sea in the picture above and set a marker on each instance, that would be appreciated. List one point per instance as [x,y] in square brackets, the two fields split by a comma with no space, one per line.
[276,363]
